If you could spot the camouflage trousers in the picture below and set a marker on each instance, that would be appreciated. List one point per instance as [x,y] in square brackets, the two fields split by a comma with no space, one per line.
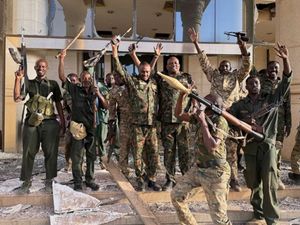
[231,149]
[295,156]
[125,145]
[279,147]
[145,150]
[214,182]
[174,137]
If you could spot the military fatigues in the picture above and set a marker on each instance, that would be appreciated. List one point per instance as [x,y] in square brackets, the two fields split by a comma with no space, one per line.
[295,156]
[284,114]
[228,88]
[261,157]
[46,134]
[102,121]
[82,112]
[174,133]
[143,102]
[119,104]
[211,171]
[67,106]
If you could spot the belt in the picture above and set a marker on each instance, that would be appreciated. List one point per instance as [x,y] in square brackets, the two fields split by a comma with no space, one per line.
[211,163]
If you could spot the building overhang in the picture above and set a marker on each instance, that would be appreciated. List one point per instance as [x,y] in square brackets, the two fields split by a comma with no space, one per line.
[51,43]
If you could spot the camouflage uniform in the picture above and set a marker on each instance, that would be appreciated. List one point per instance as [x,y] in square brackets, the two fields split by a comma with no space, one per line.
[174,133]
[119,104]
[67,106]
[143,102]
[284,114]
[261,156]
[211,171]
[295,156]
[102,121]
[228,87]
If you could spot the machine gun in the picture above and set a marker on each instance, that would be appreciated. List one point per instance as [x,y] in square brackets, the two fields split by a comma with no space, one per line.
[91,62]
[230,118]
[243,35]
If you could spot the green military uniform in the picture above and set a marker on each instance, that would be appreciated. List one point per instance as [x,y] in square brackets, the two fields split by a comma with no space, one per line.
[46,134]
[211,171]
[143,103]
[284,113]
[67,107]
[174,133]
[119,105]
[82,112]
[261,157]
[228,87]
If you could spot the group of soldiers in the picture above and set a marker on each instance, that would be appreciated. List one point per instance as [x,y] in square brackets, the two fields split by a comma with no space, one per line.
[135,105]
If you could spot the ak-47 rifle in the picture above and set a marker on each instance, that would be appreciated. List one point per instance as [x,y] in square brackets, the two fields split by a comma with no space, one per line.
[19,56]
[230,118]
[243,35]
[91,62]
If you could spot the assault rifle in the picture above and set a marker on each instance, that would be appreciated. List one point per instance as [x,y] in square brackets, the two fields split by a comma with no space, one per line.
[230,118]
[91,62]
[19,56]
[243,35]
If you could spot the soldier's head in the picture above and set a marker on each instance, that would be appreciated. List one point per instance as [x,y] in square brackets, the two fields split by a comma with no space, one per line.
[214,99]
[253,85]
[273,70]
[110,79]
[118,79]
[225,67]
[144,71]
[173,65]
[73,78]
[86,79]
[41,67]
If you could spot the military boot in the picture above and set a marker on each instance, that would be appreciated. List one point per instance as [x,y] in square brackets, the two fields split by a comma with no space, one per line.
[295,177]
[24,189]
[154,185]
[235,186]
[168,185]
[141,185]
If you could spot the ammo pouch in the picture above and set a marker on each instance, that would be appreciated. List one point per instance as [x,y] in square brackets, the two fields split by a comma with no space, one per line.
[35,119]
[77,130]
[39,107]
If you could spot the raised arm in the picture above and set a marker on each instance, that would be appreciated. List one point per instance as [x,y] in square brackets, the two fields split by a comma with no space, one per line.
[116,62]
[157,52]
[203,59]
[61,66]
[132,53]
[283,53]
[243,72]
[19,74]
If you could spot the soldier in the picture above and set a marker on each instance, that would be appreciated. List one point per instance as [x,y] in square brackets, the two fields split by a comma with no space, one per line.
[41,126]
[67,109]
[143,102]
[269,82]
[295,159]
[102,118]
[119,112]
[210,170]
[174,133]
[83,99]
[261,111]
[226,83]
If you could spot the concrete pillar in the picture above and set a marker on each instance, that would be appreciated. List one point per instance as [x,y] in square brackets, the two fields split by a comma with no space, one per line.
[31,15]
[288,33]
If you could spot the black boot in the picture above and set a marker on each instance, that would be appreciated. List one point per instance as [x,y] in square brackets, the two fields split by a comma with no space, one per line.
[168,185]
[154,185]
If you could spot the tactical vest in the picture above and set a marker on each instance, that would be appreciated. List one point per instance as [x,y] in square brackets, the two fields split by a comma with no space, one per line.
[41,104]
